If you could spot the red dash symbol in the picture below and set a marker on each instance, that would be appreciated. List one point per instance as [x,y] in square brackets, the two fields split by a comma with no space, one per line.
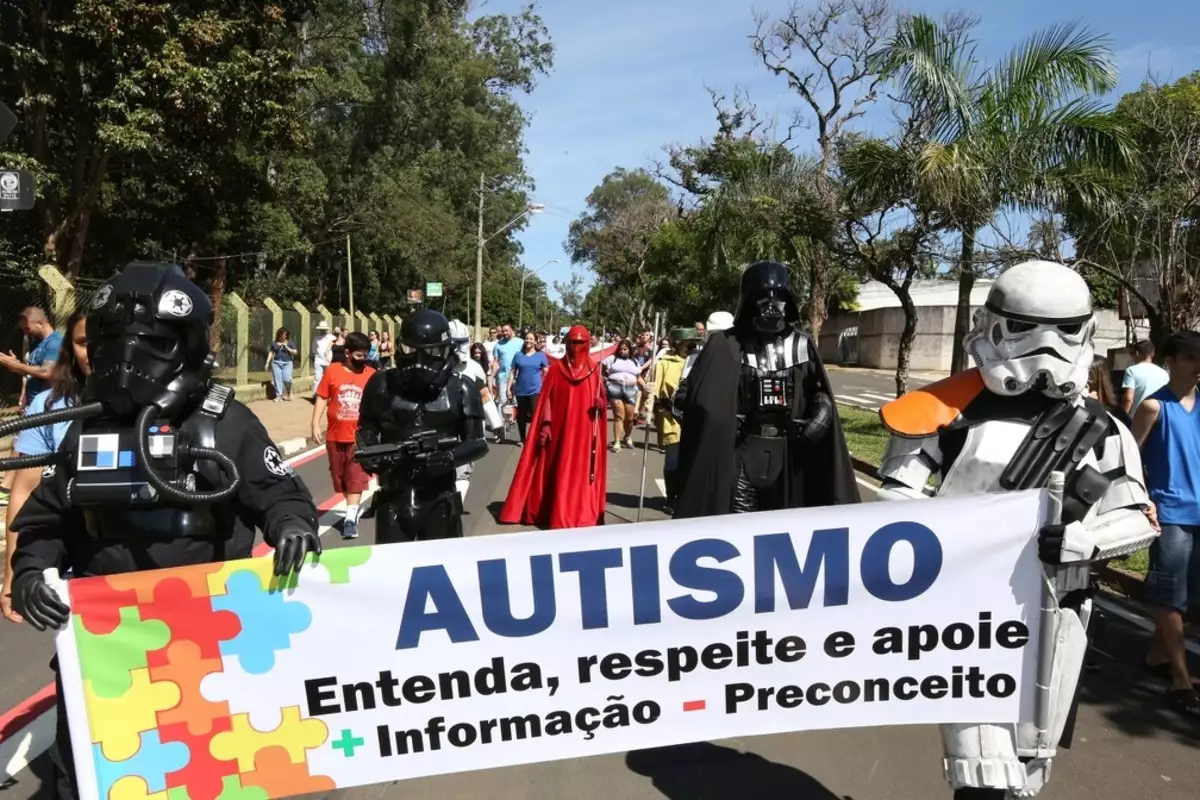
[694,705]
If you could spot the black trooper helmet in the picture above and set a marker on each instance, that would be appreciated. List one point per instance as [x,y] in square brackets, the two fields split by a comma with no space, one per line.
[426,353]
[767,304]
[147,332]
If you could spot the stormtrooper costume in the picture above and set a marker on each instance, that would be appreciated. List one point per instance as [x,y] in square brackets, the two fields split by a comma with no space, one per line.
[469,368]
[1021,413]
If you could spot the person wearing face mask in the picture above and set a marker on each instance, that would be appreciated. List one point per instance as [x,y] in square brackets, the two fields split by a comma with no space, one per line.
[760,427]
[339,397]
[561,478]
[159,468]
[419,422]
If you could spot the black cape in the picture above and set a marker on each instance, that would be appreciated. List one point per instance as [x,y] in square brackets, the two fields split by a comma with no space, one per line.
[821,475]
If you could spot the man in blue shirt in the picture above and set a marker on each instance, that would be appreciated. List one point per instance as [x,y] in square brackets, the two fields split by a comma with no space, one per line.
[35,324]
[1142,379]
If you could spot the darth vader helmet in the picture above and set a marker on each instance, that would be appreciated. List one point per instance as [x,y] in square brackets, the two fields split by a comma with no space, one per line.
[426,356]
[148,341]
[1035,332]
[767,304]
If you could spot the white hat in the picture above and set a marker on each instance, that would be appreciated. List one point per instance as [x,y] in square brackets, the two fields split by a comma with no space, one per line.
[719,321]
[322,325]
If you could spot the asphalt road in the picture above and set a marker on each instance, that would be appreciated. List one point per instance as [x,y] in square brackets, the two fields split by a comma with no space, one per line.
[867,388]
[1127,744]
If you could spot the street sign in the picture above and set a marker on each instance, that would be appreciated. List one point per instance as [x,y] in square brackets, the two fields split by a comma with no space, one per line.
[433,290]
[16,190]
[415,296]
[8,121]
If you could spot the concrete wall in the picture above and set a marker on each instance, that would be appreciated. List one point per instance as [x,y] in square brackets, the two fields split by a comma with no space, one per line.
[872,338]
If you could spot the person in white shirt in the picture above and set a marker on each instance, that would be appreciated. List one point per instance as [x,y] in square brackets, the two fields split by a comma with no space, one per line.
[322,353]
[1142,379]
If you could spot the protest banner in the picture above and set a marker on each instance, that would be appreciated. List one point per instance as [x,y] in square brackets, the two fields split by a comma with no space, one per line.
[398,661]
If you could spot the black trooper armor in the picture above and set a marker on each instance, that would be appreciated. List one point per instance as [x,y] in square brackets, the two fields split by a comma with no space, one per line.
[781,406]
[418,423]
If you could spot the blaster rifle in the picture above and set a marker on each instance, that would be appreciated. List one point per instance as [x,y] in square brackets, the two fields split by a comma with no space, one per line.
[378,458]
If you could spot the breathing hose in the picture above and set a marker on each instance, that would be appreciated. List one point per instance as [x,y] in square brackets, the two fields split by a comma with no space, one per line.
[169,490]
[85,411]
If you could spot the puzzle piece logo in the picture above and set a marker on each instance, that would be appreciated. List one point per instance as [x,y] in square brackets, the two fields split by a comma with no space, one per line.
[268,622]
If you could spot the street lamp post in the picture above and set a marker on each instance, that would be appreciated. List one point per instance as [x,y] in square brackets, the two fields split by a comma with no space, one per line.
[532,208]
[525,273]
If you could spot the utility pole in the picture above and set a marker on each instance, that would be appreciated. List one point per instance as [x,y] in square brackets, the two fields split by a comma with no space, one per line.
[350,276]
[479,268]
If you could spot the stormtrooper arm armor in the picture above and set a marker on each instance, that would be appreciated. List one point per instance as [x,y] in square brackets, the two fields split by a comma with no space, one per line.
[906,467]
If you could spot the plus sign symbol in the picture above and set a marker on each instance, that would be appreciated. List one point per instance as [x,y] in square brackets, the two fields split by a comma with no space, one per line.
[348,743]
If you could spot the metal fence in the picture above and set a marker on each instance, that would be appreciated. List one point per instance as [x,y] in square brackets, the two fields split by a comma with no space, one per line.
[262,333]
[227,348]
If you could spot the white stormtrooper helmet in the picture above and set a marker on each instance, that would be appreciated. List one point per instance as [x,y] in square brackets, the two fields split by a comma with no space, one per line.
[1035,332]
[460,334]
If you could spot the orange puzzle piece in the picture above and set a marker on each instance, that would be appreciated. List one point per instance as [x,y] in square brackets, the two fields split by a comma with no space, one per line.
[186,669]
[144,583]
[275,772]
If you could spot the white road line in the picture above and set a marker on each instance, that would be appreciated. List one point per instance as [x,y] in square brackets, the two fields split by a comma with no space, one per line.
[662,486]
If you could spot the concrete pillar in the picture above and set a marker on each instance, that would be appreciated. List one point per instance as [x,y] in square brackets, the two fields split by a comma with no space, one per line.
[305,335]
[242,347]
[276,315]
[362,323]
[63,301]
[349,320]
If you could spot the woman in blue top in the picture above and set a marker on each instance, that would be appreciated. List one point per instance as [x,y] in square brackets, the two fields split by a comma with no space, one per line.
[66,384]
[525,381]
[279,361]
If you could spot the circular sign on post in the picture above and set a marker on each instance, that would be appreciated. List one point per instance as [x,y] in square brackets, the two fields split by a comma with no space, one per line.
[16,190]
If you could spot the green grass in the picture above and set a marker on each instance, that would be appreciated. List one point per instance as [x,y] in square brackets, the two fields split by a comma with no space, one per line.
[1138,563]
[865,435]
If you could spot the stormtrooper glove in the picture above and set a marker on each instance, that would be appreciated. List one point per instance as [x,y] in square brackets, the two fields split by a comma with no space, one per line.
[292,546]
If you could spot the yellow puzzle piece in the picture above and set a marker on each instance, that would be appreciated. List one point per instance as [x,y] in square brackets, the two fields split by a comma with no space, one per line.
[243,740]
[133,787]
[117,723]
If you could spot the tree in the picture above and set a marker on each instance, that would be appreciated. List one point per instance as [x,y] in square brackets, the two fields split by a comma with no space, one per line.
[827,56]
[614,235]
[1021,133]
[571,294]
[1145,237]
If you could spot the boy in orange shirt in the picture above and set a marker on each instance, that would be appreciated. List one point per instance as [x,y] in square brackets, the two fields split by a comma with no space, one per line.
[340,393]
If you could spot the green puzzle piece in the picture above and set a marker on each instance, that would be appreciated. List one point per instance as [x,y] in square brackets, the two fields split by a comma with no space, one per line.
[235,791]
[178,793]
[339,562]
[108,661]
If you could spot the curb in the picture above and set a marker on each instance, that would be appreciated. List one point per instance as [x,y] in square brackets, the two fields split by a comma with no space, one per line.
[290,447]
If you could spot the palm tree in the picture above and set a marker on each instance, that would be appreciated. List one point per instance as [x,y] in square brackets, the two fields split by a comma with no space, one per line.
[1018,134]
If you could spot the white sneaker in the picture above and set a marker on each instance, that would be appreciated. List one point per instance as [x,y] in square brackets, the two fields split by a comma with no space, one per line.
[350,529]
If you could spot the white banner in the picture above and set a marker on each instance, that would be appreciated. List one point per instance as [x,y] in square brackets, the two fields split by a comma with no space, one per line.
[400,661]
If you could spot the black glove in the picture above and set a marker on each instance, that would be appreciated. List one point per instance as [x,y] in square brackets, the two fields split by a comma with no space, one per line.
[1050,542]
[291,548]
[439,462]
[37,602]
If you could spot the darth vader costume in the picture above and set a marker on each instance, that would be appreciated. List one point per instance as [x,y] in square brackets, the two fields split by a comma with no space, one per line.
[419,422]
[760,427]
[161,467]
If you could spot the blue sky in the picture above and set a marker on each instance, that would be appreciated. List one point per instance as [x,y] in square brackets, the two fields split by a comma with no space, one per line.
[630,77]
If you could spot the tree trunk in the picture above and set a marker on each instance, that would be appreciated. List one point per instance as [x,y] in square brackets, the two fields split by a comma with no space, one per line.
[818,294]
[216,294]
[962,316]
[907,336]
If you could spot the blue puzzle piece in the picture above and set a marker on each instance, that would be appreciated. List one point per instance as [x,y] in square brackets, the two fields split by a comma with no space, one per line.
[268,622]
[151,763]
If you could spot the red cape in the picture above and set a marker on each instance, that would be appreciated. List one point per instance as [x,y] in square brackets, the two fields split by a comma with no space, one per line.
[551,487]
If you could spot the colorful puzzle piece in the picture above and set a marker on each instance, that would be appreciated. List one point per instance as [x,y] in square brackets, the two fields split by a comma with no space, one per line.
[108,660]
[233,790]
[262,568]
[189,619]
[186,669]
[275,772]
[204,774]
[143,584]
[98,604]
[268,621]
[339,562]
[149,760]
[134,787]
[117,723]
[294,734]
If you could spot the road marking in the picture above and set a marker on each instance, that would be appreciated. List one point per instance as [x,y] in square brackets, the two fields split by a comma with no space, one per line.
[662,486]
[27,730]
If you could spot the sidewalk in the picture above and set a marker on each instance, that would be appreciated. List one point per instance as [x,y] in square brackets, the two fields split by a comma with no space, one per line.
[289,424]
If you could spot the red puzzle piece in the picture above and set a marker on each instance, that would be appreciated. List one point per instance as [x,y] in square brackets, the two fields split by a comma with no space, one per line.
[275,772]
[191,619]
[186,669]
[98,604]
[204,775]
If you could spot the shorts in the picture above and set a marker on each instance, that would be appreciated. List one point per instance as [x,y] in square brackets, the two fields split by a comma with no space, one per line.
[1174,577]
[348,477]
[625,392]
